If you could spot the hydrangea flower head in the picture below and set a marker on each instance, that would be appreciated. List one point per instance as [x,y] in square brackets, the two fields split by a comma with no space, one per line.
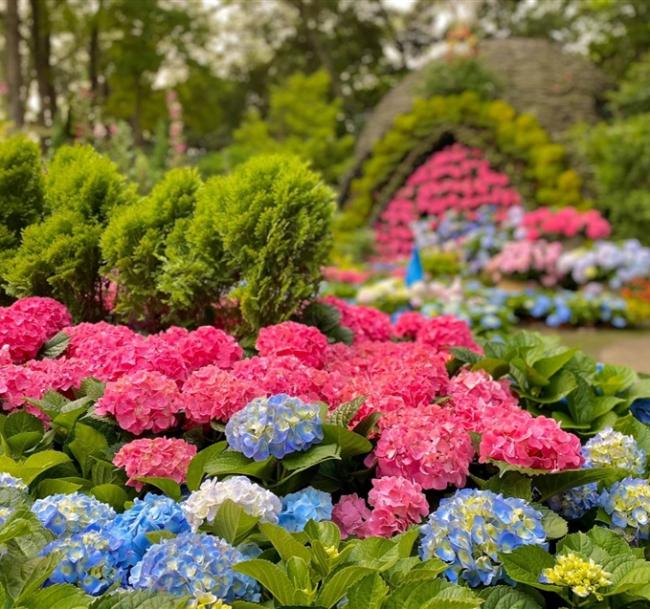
[141,401]
[408,324]
[203,505]
[211,393]
[628,504]
[584,577]
[93,559]
[158,457]
[194,564]
[207,346]
[278,426]
[431,449]
[305,505]
[69,514]
[307,343]
[575,502]
[609,448]
[153,513]
[446,331]
[351,514]
[365,322]
[531,442]
[9,481]
[470,528]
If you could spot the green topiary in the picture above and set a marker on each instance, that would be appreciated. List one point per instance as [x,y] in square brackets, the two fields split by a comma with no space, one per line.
[81,179]
[21,189]
[133,244]
[60,256]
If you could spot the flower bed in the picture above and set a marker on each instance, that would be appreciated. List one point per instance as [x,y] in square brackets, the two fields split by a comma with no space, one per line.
[413,465]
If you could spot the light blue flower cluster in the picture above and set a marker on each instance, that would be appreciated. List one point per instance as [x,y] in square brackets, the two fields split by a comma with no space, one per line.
[609,448]
[627,503]
[94,560]
[305,505]
[575,502]
[278,426]
[153,513]
[9,481]
[194,564]
[470,528]
[69,514]
[5,514]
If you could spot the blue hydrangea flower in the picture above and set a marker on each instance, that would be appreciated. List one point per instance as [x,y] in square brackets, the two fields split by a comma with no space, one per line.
[94,560]
[69,514]
[153,513]
[9,481]
[278,426]
[609,448]
[470,528]
[628,504]
[305,505]
[640,409]
[575,502]
[194,564]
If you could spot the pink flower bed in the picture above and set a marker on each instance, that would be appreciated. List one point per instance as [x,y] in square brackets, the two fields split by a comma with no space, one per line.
[527,260]
[545,223]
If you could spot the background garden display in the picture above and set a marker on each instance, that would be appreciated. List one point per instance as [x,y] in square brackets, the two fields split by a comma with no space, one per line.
[270,280]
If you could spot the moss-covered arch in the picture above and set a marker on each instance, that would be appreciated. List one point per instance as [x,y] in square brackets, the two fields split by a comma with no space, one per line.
[514,143]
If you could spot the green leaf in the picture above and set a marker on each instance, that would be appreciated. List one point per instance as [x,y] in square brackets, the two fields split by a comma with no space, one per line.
[551,484]
[39,463]
[195,470]
[298,462]
[343,415]
[350,443]
[231,462]
[525,565]
[548,366]
[140,599]
[87,442]
[55,346]
[52,486]
[467,356]
[285,544]
[60,596]
[506,597]
[232,523]
[112,494]
[326,532]
[337,585]
[92,388]
[367,425]
[555,526]
[20,422]
[158,536]
[511,484]
[368,593]
[166,485]
[632,427]
[454,597]
[270,576]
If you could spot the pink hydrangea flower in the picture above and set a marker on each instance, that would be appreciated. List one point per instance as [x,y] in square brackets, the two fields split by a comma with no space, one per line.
[478,401]
[204,346]
[156,457]
[531,442]
[432,449]
[141,401]
[306,343]
[18,383]
[365,322]
[350,514]
[446,331]
[22,332]
[63,374]
[408,324]
[213,394]
[51,314]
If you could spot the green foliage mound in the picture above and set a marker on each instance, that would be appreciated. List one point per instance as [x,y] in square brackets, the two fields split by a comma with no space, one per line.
[264,230]
[21,189]
[458,75]
[60,256]
[619,154]
[133,244]
[274,216]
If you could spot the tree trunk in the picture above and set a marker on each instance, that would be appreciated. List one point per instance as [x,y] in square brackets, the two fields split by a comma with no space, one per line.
[41,55]
[13,64]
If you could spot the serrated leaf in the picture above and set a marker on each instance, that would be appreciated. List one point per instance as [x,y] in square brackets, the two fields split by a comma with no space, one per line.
[231,462]
[55,346]
[284,543]
[270,576]
[525,565]
[343,415]
[367,425]
[510,484]
[337,585]
[52,486]
[59,596]
[195,471]
[548,485]
[166,485]
[86,443]
[140,599]
[368,593]
[350,443]
[232,523]
[506,597]
[112,494]
[298,462]
[554,525]
[92,388]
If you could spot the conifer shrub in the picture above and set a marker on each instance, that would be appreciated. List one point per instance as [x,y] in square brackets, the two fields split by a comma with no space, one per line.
[60,256]
[133,244]
[21,189]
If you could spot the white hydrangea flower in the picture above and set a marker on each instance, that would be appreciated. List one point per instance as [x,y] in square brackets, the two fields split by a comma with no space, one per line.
[202,505]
